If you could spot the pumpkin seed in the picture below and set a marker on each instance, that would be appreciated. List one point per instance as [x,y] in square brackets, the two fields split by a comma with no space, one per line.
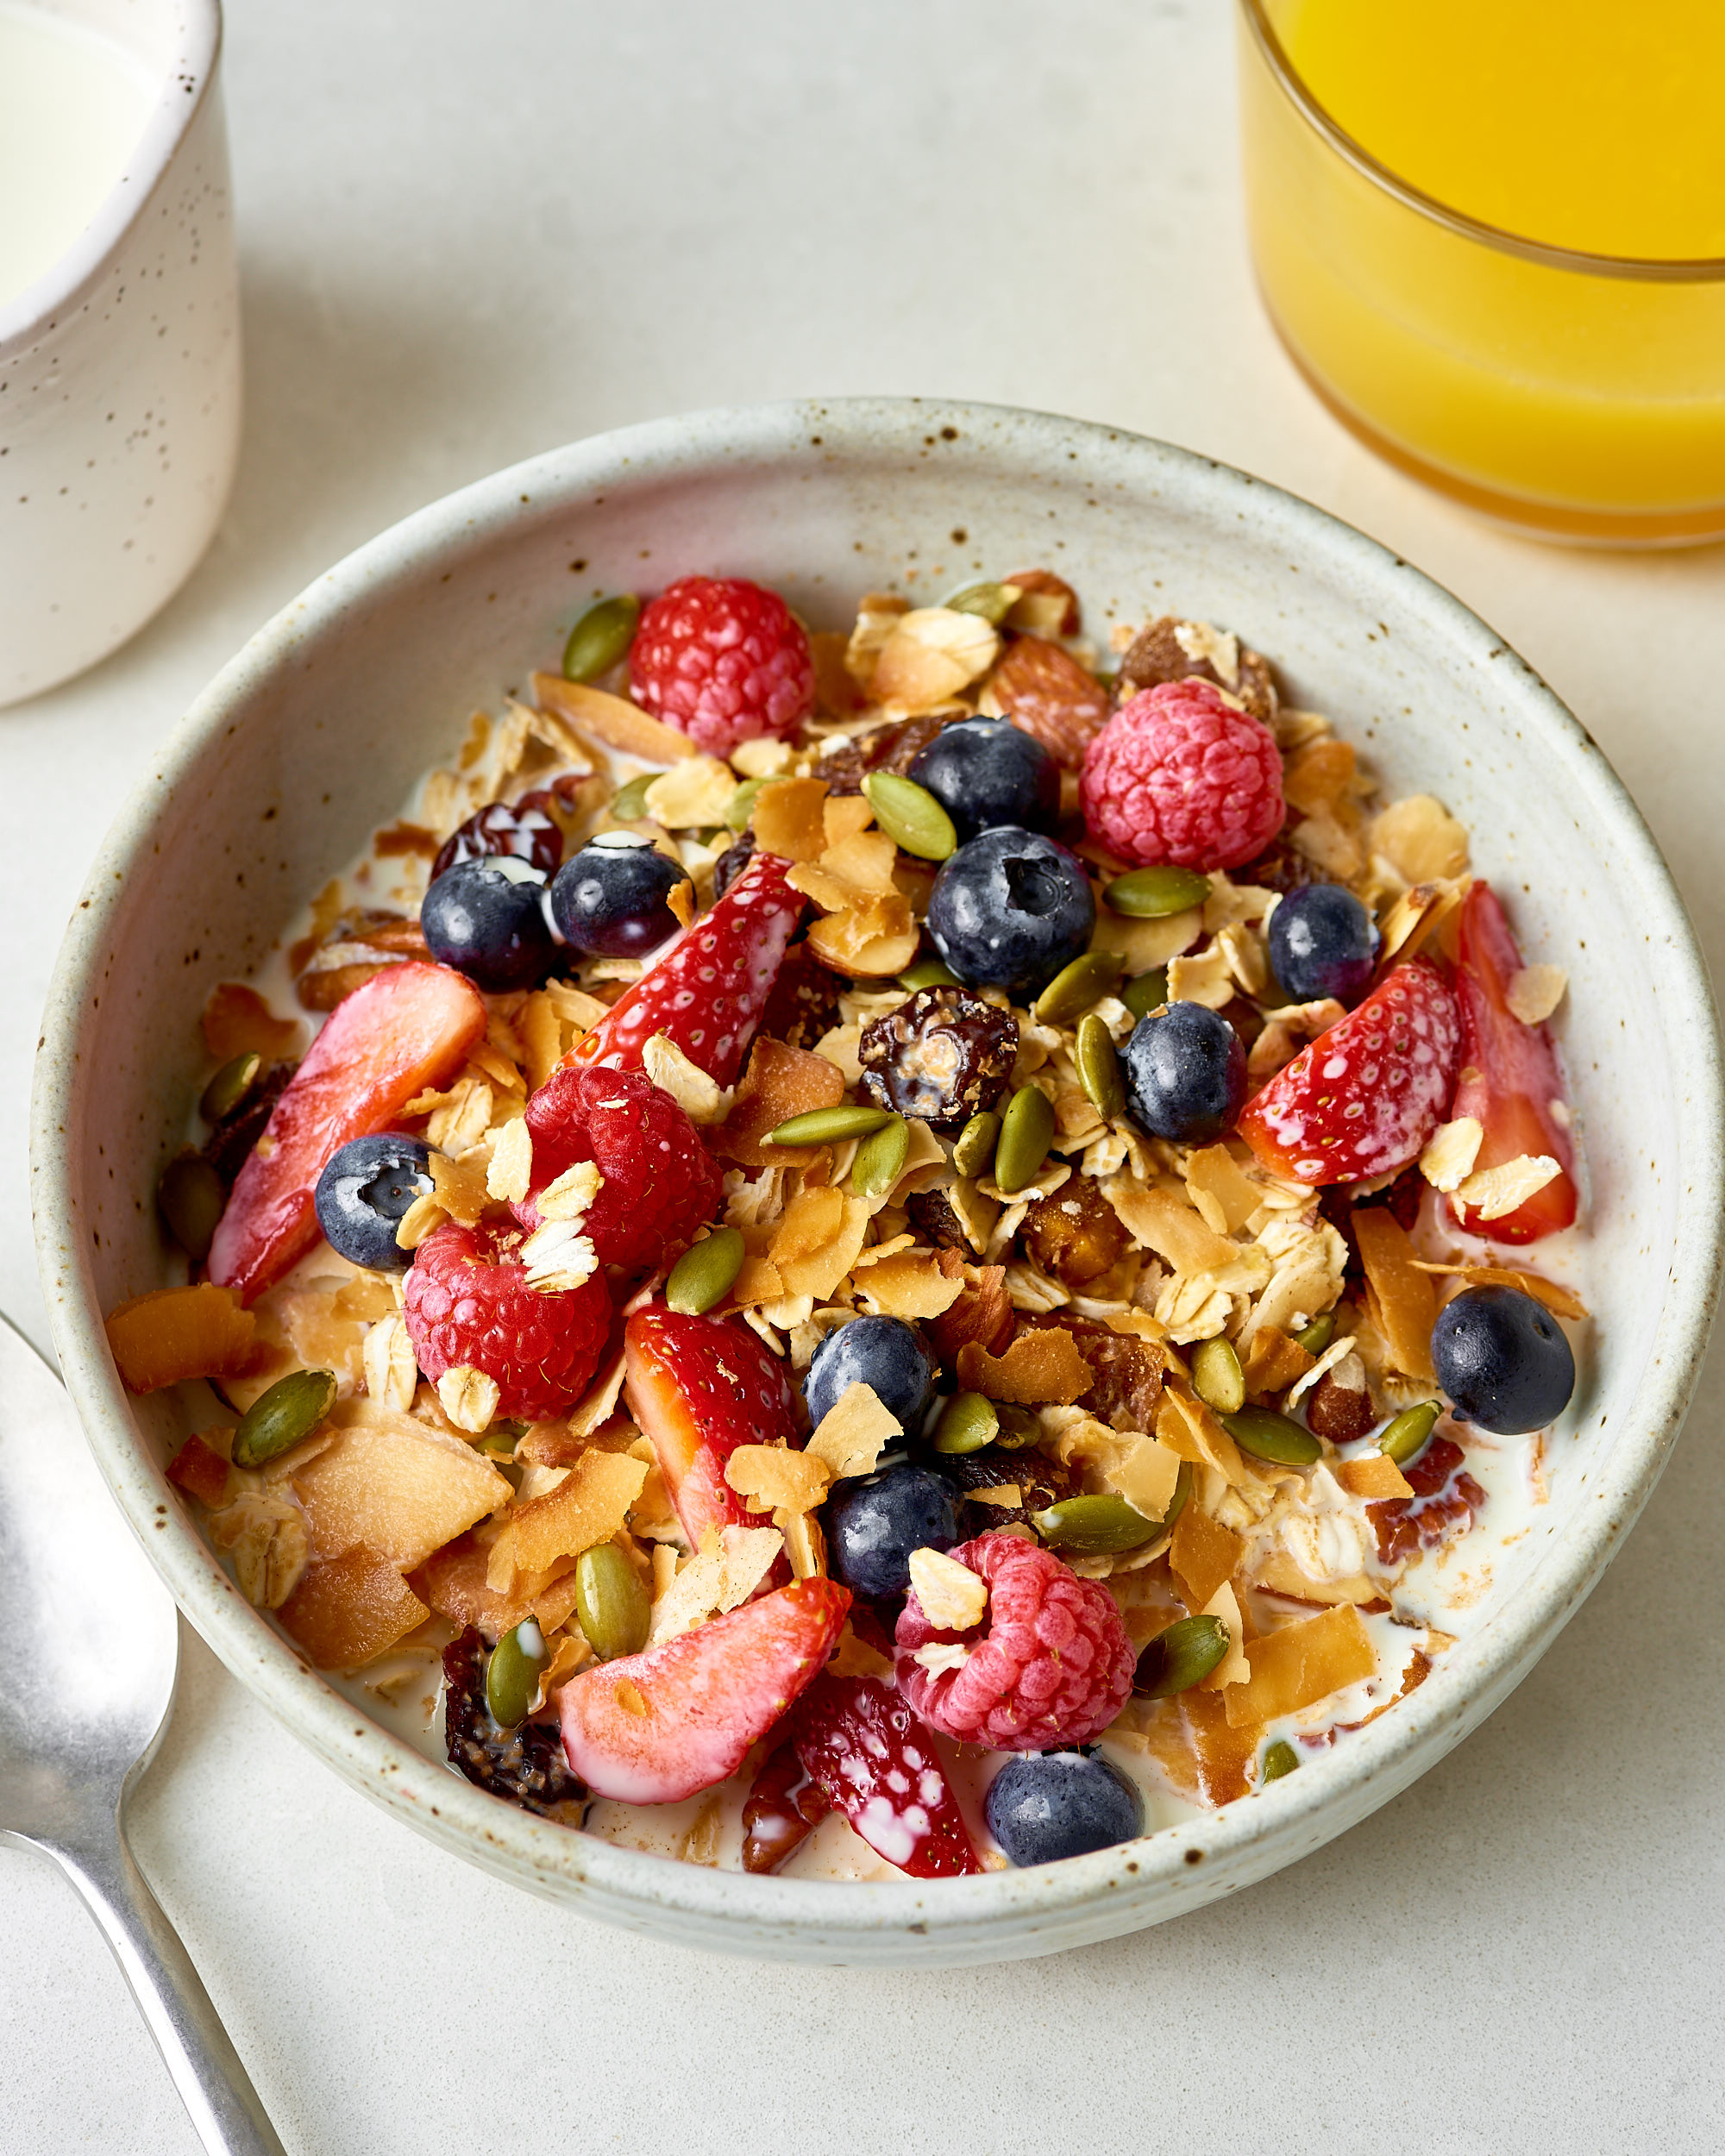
[1145,992]
[1025,1129]
[600,637]
[1316,1337]
[741,806]
[192,1200]
[1147,894]
[830,1126]
[976,1144]
[994,602]
[1217,1377]
[501,1438]
[229,1087]
[1408,1435]
[292,1410]
[704,1274]
[879,1160]
[513,1674]
[968,1422]
[1268,1436]
[1098,1066]
[1076,987]
[909,816]
[629,802]
[1019,1426]
[1181,1657]
[928,973]
[613,1606]
[1094,1526]
[1280,1758]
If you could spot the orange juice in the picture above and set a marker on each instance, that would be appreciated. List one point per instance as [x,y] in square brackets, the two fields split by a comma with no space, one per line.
[1492,235]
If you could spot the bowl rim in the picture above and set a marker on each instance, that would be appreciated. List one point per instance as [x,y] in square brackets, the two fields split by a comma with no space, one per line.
[186,83]
[1003,1912]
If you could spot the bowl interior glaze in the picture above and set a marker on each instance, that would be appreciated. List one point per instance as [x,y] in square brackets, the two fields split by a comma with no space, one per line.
[316,732]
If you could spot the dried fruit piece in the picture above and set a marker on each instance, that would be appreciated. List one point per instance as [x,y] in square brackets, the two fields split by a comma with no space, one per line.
[174,1333]
[781,1810]
[943,1057]
[1172,650]
[1074,1234]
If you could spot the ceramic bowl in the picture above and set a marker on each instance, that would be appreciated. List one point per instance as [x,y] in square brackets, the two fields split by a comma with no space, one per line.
[120,372]
[315,733]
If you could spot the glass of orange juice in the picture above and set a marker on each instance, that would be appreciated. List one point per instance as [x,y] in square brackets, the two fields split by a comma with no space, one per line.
[1491,235]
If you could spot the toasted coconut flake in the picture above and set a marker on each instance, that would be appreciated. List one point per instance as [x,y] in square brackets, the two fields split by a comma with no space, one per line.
[1420,840]
[695,790]
[347,1611]
[1561,1302]
[1332,1357]
[1375,1477]
[510,1170]
[839,1048]
[1044,1365]
[1399,1299]
[787,818]
[953,1597]
[1321,775]
[613,719]
[1214,1172]
[688,1085]
[469,1398]
[1416,915]
[852,1434]
[763,758]
[1170,1225]
[1008,1496]
[1203,1556]
[459,1187]
[929,655]
[461,1122]
[1144,1474]
[1234,1668]
[390,1481]
[1189,1430]
[1302,1663]
[805,1546]
[817,1242]
[723,1572]
[910,1285]
[773,1478]
[855,1657]
[567,1198]
[391,1373]
[1490,1192]
[859,866]
[877,616]
[587,1507]
[1451,1151]
[1273,1361]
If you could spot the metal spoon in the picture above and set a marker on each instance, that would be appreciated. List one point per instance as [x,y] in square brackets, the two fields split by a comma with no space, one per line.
[92,1651]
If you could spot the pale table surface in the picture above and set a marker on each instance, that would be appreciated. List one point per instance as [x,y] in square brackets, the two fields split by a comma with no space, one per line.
[469,232]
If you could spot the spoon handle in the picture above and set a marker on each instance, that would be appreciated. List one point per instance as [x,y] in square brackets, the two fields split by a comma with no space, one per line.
[227,2114]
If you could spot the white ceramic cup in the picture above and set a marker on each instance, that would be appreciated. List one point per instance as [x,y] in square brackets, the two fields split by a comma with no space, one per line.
[120,373]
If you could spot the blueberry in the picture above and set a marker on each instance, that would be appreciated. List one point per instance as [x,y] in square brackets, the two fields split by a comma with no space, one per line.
[365,1191]
[1322,943]
[986,773]
[1185,1073]
[1009,910]
[487,918]
[610,901]
[872,1526]
[1502,1359]
[1042,1805]
[883,1352]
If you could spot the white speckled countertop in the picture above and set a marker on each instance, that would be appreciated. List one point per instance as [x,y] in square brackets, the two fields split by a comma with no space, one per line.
[467,234]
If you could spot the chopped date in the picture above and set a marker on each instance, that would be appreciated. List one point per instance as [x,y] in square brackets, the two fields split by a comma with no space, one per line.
[524,831]
[1039,1481]
[1157,654]
[893,747]
[1280,868]
[526,1765]
[229,1146]
[935,1221]
[1074,1234]
[942,1056]
[1125,1372]
[781,1810]
[1444,1500]
[803,1003]
[731,862]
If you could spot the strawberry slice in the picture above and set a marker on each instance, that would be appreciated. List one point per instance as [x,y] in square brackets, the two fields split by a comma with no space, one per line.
[700,1387]
[1510,1081]
[406,1030]
[1364,1097]
[652,1727]
[708,991]
[875,1762]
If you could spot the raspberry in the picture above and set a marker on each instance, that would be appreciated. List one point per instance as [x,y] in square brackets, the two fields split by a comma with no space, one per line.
[1178,776]
[1052,1669]
[724,660]
[469,1304]
[660,1182]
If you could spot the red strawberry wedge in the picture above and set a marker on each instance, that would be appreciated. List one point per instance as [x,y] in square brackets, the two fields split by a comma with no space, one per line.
[408,1028]
[653,1728]
[1365,1097]
[708,991]
[874,1761]
[1510,1081]
[700,1387]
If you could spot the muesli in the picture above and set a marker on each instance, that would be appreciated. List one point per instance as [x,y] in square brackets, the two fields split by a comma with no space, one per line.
[899,1251]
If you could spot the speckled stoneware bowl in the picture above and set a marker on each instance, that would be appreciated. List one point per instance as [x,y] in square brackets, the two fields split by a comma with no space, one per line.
[318,729]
